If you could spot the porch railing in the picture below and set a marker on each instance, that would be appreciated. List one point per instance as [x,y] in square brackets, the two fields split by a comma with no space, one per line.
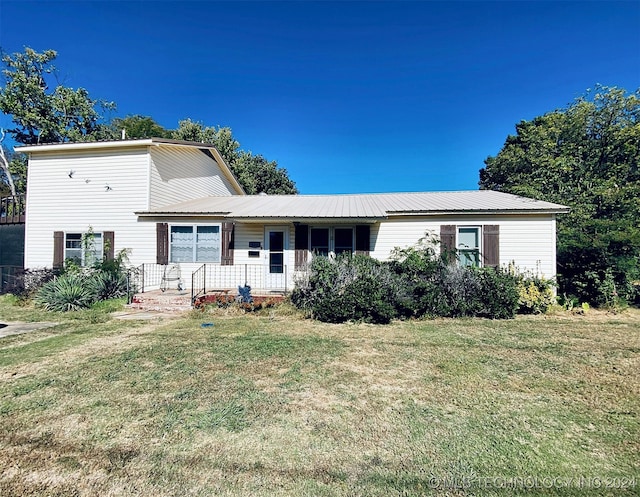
[198,282]
[144,277]
[212,277]
[12,209]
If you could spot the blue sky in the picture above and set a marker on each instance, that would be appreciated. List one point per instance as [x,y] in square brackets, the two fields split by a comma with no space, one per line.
[347,96]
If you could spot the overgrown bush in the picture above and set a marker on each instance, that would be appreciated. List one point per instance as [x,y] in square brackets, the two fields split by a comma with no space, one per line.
[415,284]
[26,282]
[346,288]
[535,294]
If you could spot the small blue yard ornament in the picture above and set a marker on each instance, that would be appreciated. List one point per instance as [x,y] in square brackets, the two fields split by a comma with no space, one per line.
[244,294]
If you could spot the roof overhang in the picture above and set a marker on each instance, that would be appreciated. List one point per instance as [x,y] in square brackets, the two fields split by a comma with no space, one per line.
[479,212]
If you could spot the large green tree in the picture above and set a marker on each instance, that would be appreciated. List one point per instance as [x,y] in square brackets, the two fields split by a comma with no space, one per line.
[137,126]
[585,156]
[42,110]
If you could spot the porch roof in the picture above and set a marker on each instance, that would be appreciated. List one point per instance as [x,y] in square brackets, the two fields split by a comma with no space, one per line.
[357,206]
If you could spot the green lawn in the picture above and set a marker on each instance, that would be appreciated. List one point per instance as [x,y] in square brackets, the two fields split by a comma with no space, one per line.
[275,405]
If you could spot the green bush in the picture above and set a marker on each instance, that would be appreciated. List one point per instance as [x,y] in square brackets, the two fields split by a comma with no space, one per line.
[498,293]
[78,288]
[108,285]
[535,295]
[68,292]
[346,288]
[417,284]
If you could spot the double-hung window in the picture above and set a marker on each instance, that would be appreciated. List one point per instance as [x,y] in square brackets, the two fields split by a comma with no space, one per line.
[337,240]
[199,243]
[84,249]
[468,244]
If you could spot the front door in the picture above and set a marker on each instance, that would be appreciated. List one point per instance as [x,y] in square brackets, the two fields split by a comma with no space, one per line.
[276,244]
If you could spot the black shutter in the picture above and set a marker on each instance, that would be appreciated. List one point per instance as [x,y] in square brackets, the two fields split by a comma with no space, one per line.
[162,243]
[108,238]
[58,249]
[448,242]
[363,239]
[227,244]
[301,245]
[491,245]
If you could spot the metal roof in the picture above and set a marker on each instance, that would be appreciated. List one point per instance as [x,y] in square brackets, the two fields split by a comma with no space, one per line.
[126,143]
[358,206]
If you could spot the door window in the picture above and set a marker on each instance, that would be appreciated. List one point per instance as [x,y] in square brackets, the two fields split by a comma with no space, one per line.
[276,251]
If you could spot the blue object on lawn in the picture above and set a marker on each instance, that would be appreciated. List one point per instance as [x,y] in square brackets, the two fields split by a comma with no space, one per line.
[206,325]
[244,294]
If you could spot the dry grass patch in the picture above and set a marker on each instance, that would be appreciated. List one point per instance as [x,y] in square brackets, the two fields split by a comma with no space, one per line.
[275,405]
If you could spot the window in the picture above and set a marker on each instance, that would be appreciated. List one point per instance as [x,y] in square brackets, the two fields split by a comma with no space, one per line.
[468,244]
[343,240]
[84,249]
[319,241]
[195,243]
[325,240]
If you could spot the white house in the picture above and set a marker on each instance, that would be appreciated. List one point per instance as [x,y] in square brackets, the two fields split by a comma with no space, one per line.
[174,204]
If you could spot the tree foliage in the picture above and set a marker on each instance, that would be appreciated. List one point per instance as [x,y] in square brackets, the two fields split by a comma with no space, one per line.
[585,156]
[137,126]
[43,110]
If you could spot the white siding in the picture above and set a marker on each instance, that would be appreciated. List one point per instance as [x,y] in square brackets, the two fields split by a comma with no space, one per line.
[527,241]
[56,202]
[184,173]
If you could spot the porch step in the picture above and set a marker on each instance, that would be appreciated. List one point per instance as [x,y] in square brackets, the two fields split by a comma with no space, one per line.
[171,300]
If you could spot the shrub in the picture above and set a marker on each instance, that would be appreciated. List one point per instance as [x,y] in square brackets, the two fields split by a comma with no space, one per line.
[535,295]
[108,285]
[498,295]
[25,283]
[416,282]
[78,288]
[68,292]
[346,288]
[453,291]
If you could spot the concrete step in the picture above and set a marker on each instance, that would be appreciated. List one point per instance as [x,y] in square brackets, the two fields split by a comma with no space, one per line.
[171,300]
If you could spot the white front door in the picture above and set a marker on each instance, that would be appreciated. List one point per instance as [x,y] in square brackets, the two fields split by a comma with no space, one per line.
[276,243]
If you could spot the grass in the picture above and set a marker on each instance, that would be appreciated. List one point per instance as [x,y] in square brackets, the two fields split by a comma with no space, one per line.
[274,405]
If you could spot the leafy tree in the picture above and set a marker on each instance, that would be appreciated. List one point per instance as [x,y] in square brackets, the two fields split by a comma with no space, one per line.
[137,126]
[585,156]
[43,115]
[41,109]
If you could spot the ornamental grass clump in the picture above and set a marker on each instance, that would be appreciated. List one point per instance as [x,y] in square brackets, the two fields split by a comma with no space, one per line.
[68,292]
[79,288]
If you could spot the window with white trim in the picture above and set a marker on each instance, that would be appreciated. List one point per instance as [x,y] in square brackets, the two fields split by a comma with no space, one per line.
[194,243]
[84,249]
[468,245]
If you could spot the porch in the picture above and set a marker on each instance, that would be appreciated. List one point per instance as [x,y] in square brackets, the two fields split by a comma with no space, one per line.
[172,286]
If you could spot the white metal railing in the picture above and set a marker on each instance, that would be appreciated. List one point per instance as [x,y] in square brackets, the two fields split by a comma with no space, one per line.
[212,277]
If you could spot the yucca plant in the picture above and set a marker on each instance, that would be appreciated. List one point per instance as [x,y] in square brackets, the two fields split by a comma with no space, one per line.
[69,292]
[109,285]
